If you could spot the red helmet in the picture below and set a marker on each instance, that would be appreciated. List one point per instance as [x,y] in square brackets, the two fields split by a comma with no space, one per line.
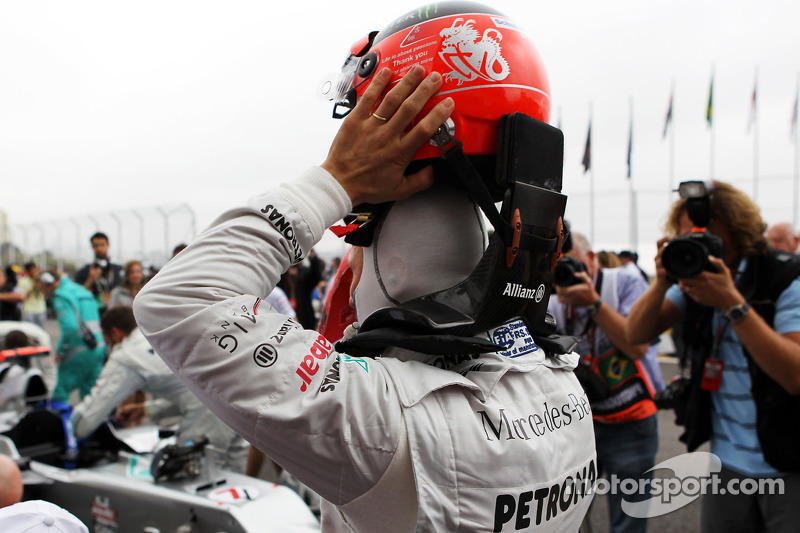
[489,65]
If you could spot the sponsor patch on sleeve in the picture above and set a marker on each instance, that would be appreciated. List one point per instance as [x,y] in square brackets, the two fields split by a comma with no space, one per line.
[514,337]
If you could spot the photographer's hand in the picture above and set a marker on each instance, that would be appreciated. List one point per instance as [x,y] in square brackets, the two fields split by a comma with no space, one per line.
[94,273]
[778,355]
[606,317]
[713,289]
[662,277]
[582,294]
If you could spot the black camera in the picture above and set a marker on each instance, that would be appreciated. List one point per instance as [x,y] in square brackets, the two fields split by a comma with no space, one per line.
[566,268]
[674,394]
[687,256]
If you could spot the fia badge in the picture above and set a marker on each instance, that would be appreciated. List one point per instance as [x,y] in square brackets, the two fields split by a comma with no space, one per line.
[712,375]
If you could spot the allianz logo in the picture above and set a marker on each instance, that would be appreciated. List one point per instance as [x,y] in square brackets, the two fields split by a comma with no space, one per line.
[516,290]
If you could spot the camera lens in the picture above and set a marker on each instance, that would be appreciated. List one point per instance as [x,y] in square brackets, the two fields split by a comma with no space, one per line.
[566,268]
[684,259]
[563,274]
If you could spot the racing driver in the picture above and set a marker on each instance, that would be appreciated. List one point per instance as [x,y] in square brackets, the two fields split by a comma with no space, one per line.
[493,432]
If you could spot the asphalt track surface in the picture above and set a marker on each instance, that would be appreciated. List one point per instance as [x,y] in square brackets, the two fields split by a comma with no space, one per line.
[685,519]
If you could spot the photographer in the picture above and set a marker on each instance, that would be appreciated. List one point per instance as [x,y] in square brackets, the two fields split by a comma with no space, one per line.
[739,304]
[620,378]
[101,275]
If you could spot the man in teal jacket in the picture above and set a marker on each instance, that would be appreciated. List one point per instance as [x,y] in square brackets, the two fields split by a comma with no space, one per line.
[79,362]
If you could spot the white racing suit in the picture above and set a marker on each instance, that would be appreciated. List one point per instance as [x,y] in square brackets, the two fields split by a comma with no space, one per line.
[499,442]
[133,365]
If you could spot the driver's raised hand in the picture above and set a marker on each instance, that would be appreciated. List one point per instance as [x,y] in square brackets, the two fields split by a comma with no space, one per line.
[372,150]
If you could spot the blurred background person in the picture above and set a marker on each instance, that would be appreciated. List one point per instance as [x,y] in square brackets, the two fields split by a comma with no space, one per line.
[178,249]
[620,378]
[34,307]
[81,350]
[332,268]
[783,237]
[11,296]
[133,365]
[280,302]
[39,516]
[630,260]
[125,292]
[608,259]
[10,482]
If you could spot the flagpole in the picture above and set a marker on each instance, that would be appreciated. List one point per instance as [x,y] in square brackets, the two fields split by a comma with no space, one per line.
[711,165]
[591,182]
[710,118]
[755,161]
[755,139]
[671,145]
[631,202]
[796,150]
[635,215]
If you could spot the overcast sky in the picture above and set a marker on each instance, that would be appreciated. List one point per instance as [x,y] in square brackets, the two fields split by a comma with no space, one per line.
[118,107]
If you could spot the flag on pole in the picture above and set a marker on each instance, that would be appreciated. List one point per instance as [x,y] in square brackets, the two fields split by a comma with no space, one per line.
[587,153]
[710,109]
[752,108]
[630,144]
[669,116]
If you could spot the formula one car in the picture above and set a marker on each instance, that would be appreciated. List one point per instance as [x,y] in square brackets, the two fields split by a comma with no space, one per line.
[132,479]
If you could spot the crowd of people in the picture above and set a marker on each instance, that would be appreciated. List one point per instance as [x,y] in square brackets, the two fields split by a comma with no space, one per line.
[449,404]
[102,369]
[106,368]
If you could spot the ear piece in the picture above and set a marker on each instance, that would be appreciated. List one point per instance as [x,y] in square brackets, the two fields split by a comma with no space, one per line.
[368,65]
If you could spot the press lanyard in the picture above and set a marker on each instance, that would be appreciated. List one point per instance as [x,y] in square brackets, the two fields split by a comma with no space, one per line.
[714,366]
[712,370]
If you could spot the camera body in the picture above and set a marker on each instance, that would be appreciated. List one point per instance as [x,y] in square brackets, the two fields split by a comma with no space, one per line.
[687,256]
[566,268]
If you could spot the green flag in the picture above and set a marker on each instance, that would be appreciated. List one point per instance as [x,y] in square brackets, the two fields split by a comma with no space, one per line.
[710,110]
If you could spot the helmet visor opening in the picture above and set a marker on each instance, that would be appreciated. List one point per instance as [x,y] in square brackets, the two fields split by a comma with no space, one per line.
[343,94]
